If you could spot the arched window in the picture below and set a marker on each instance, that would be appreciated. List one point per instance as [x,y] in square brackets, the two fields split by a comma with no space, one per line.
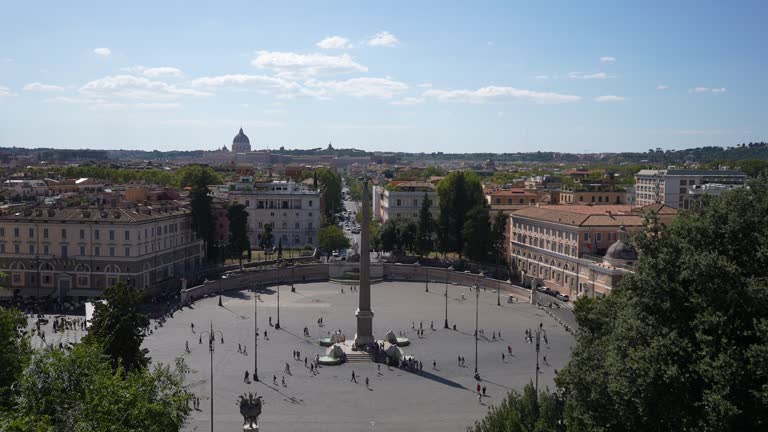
[17,273]
[83,278]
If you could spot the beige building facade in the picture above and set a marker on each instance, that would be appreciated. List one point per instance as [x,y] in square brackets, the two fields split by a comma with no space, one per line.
[576,250]
[74,252]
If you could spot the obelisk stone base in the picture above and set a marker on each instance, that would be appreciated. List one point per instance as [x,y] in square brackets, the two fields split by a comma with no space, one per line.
[364,334]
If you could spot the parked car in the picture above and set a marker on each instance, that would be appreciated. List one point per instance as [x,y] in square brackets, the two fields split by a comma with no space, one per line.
[562,297]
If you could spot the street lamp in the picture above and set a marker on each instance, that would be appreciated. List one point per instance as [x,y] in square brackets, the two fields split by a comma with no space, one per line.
[255,336]
[498,293]
[211,342]
[477,318]
[426,279]
[277,325]
[449,269]
[538,344]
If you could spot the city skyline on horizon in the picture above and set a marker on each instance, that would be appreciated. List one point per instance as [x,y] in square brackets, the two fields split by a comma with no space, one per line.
[431,77]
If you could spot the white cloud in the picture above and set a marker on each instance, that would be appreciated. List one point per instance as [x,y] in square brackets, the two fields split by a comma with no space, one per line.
[597,75]
[5,91]
[662,87]
[707,90]
[40,87]
[334,42]
[541,77]
[71,100]
[249,124]
[607,59]
[385,39]
[143,106]
[500,94]
[408,101]
[365,126]
[610,98]
[164,71]
[425,85]
[102,51]
[294,65]
[139,88]
[246,82]
[384,88]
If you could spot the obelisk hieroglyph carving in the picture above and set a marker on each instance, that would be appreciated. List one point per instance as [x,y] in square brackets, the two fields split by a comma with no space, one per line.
[364,313]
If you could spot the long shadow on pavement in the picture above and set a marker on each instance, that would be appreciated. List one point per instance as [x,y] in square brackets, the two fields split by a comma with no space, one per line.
[441,380]
[309,341]
[292,399]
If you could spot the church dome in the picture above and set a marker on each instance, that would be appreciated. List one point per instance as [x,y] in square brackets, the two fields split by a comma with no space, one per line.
[241,138]
[621,252]
[241,143]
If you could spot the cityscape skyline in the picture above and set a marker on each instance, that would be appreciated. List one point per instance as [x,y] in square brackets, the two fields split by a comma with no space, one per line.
[490,78]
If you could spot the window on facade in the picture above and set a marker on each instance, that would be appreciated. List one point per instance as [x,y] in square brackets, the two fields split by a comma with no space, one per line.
[398,202]
[310,204]
[111,251]
[15,232]
[64,253]
[127,251]
[82,250]
[96,251]
[586,236]
[309,225]
[31,233]
[127,235]
[96,234]
[247,203]
[598,236]
[31,249]
[297,225]
[285,225]
[82,234]
[599,199]
[63,233]
[45,249]
[16,249]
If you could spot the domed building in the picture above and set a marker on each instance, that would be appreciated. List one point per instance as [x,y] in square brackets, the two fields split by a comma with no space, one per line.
[620,253]
[241,143]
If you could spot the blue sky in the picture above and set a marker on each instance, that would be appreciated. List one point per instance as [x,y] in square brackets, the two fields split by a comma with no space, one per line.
[575,76]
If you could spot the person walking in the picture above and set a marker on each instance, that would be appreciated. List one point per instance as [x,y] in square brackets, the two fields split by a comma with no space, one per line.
[366,382]
[483,390]
[245,378]
[503,358]
[354,378]
[434,364]
[478,389]
[274,379]
[284,382]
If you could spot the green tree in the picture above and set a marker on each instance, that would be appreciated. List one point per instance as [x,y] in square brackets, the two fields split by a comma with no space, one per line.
[238,231]
[78,390]
[332,238]
[426,224]
[682,343]
[498,236]
[118,327]
[202,218]
[388,236]
[476,233]
[266,238]
[330,188]
[458,193]
[407,230]
[15,351]
[524,412]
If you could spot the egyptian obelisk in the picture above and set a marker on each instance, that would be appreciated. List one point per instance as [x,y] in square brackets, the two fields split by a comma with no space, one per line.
[364,313]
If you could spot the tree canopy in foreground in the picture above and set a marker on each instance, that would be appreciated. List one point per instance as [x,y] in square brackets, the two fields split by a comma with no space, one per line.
[682,345]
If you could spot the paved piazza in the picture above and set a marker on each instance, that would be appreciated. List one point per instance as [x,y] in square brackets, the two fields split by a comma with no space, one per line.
[442,399]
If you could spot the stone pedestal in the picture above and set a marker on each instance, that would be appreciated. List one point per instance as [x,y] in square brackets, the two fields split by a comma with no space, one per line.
[364,334]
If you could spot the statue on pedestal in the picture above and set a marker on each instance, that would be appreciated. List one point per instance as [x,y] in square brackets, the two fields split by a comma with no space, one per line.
[250,409]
